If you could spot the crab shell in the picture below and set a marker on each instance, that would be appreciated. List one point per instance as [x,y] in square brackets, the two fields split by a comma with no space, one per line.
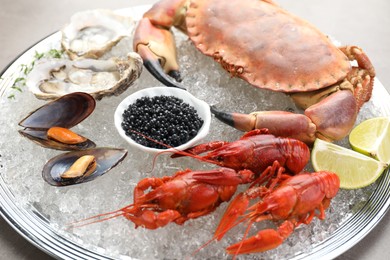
[287,54]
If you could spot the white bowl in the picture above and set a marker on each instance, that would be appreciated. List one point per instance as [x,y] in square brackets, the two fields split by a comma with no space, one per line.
[202,108]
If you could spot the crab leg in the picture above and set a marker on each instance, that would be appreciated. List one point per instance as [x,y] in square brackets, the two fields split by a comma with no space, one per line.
[362,76]
[155,43]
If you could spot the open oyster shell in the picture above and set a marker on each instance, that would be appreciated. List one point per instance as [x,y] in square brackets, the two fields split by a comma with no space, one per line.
[52,78]
[92,33]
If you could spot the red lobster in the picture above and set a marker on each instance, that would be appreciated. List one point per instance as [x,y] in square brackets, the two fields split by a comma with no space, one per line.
[186,195]
[191,194]
[295,200]
[256,151]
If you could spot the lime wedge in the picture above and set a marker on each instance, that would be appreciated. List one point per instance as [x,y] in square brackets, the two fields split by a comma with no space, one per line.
[372,137]
[355,170]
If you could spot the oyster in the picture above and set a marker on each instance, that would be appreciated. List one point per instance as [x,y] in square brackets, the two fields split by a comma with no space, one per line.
[64,112]
[90,34]
[104,160]
[52,78]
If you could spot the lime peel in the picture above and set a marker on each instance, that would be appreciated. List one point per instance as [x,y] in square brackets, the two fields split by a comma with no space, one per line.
[355,170]
[372,138]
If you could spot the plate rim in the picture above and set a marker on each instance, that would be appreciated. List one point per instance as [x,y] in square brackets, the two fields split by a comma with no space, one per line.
[28,222]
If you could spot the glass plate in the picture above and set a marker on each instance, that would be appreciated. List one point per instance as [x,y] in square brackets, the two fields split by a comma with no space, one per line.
[27,202]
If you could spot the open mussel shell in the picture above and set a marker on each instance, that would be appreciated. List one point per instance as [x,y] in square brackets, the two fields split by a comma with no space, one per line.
[66,111]
[106,159]
[40,137]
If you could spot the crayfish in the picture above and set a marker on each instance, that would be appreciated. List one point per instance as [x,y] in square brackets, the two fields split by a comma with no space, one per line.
[255,151]
[185,195]
[254,158]
[293,201]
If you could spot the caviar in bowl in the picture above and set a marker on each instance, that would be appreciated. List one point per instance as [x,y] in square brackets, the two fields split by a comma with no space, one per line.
[168,115]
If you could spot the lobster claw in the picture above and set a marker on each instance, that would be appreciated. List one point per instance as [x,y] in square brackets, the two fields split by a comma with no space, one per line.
[236,208]
[156,47]
[224,177]
[264,240]
[152,220]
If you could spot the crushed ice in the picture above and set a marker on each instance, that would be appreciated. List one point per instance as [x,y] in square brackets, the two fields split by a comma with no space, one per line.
[22,161]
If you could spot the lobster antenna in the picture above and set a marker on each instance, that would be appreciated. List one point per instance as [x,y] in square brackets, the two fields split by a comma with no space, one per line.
[152,140]
[216,235]
[243,238]
[203,246]
[97,218]
[177,151]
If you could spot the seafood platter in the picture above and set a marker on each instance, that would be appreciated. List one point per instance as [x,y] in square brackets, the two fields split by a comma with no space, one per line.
[72,184]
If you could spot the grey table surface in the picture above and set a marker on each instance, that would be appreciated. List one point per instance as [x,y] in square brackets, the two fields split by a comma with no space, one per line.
[353,22]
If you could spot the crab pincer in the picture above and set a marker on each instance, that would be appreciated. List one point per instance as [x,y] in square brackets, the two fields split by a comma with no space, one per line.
[155,43]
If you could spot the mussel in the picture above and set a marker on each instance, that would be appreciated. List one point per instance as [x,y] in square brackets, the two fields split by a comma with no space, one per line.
[104,159]
[62,113]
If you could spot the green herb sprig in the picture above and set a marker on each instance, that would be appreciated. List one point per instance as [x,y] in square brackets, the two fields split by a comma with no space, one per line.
[20,82]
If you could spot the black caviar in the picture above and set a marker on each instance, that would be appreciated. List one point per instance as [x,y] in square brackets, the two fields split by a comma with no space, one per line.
[166,119]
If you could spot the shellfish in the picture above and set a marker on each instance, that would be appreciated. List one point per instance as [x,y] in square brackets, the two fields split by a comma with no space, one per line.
[92,33]
[52,78]
[269,48]
[64,112]
[104,160]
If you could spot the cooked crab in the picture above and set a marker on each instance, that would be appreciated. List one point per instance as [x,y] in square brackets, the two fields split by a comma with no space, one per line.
[270,48]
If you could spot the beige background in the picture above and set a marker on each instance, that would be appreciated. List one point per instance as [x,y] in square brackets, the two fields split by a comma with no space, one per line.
[359,22]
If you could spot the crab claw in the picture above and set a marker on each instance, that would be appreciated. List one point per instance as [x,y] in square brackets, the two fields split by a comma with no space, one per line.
[330,119]
[156,47]
[334,116]
[279,123]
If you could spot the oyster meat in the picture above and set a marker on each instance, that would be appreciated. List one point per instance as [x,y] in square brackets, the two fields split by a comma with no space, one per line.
[52,78]
[92,33]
